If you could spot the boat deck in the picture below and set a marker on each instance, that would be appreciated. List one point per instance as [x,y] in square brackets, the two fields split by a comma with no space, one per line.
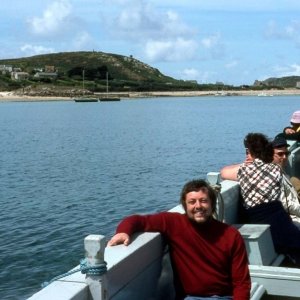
[142,270]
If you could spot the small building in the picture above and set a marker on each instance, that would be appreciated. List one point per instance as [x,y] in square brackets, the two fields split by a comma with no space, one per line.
[45,75]
[19,76]
[6,69]
[50,69]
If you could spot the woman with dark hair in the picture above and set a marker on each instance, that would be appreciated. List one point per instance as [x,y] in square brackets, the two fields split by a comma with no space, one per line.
[257,146]
[260,182]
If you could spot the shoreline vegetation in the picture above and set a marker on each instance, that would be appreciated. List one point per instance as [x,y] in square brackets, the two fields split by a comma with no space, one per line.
[13,97]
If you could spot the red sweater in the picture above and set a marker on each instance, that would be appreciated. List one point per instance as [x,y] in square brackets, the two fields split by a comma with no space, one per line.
[207,259]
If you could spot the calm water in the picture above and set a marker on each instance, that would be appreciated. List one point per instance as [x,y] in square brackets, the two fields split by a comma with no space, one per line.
[72,169]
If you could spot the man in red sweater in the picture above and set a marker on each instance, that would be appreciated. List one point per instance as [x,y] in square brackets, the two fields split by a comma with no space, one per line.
[208,257]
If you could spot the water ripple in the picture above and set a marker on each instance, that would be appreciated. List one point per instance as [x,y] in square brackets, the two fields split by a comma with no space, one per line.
[68,171]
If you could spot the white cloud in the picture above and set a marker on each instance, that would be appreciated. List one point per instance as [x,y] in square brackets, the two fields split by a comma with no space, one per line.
[55,15]
[195,74]
[291,31]
[211,41]
[171,50]
[190,74]
[81,40]
[214,46]
[233,5]
[159,34]
[35,50]
[231,64]
[290,70]
[140,21]
[207,77]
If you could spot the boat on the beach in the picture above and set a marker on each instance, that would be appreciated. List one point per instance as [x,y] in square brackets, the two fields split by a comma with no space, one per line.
[221,93]
[107,97]
[264,94]
[142,270]
[85,99]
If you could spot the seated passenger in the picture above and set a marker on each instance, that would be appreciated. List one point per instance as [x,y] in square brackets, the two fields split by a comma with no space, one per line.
[293,132]
[260,182]
[289,196]
[209,258]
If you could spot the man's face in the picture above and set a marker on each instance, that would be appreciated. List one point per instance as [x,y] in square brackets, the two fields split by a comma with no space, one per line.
[280,156]
[198,206]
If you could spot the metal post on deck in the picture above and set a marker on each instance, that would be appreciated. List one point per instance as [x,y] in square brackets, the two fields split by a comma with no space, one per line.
[94,246]
[214,179]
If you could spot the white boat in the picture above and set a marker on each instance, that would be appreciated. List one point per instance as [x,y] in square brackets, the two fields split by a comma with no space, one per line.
[264,94]
[142,271]
[220,93]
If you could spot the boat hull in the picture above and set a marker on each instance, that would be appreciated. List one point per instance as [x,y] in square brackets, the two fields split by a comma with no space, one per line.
[109,99]
[86,99]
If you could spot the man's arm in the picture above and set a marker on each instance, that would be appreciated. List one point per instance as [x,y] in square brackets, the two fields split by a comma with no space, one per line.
[138,223]
[125,229]
[291,135]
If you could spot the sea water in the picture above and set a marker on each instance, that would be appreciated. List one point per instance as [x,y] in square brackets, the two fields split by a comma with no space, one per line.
[72,169]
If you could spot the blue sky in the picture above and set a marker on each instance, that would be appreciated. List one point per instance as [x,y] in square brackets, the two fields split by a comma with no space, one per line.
[231,41]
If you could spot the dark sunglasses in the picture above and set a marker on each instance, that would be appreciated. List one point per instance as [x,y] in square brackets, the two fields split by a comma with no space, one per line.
[247,151]
[282,153]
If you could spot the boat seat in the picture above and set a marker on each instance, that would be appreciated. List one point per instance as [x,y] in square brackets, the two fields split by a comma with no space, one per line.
[259,244]
[257,291]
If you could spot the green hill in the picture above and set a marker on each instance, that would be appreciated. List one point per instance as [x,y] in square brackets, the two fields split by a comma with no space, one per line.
[124,73]
[62,74]
[286,82]
[119,67]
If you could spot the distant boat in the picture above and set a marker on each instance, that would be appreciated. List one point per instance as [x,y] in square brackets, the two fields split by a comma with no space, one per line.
[85,98]
[264,94]
[108,98]
[221,93]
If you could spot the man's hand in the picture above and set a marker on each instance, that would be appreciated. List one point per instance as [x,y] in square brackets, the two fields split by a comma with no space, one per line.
[289,131]
[119,238]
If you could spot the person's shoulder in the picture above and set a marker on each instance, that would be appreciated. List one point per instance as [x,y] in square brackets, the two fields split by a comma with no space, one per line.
[243,166]
[233,231]
[173,215]
[275,168]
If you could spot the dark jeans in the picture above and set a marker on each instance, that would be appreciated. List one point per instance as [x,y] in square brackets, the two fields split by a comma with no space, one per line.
[285,234]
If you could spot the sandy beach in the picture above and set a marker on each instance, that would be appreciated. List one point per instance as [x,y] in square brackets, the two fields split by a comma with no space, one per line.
[11,96]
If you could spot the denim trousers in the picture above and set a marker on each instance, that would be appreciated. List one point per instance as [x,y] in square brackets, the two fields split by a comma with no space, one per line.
[209,298]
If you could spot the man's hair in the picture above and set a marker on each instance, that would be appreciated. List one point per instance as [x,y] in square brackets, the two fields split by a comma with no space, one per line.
[259,146]
[196,186]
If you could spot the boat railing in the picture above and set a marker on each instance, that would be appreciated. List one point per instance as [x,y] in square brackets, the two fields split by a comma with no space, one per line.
[293,166]
[142,270]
